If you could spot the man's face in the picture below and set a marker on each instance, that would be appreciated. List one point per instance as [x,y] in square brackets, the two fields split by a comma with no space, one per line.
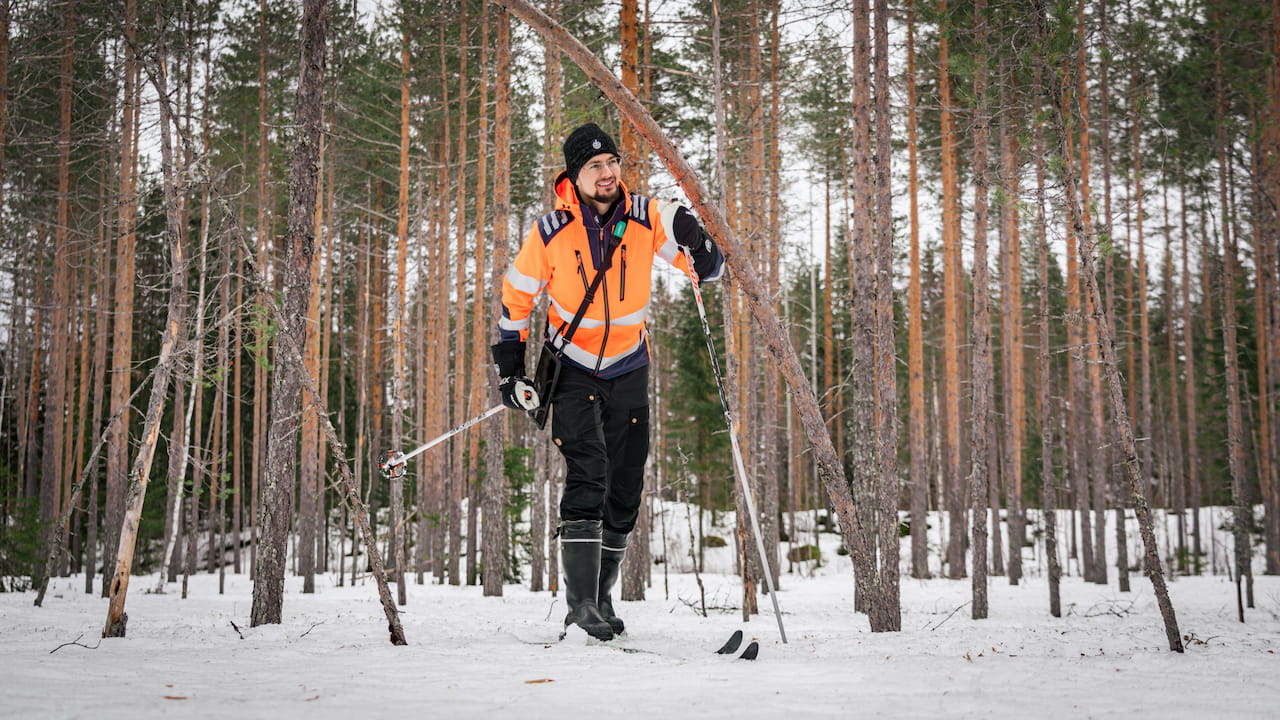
[598,179]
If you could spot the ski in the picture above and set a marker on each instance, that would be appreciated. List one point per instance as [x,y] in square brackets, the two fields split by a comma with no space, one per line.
[732,644]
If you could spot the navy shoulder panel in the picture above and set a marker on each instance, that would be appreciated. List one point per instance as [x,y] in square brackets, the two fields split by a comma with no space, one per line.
[552,223]
[640,211]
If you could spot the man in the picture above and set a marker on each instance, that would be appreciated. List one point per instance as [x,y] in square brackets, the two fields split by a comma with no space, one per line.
[601,406]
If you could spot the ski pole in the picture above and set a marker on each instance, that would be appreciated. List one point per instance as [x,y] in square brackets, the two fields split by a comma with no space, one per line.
[395,461]
[739,468]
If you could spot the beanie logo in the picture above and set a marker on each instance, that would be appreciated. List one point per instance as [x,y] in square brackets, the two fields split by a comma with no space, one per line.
[595,144]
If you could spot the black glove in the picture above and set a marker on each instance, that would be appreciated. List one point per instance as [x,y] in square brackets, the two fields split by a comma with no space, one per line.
[690,235]
[509,357]
[688,232]
[518,393]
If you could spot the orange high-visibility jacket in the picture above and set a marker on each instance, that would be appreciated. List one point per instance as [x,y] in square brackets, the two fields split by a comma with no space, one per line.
[562,252]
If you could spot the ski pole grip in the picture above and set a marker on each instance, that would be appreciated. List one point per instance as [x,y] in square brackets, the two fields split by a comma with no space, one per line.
[393,464]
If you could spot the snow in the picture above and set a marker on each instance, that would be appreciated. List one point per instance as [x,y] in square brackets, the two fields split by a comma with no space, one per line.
[475,657]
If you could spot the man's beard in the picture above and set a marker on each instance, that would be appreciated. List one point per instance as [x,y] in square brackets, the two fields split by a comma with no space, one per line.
[592,196]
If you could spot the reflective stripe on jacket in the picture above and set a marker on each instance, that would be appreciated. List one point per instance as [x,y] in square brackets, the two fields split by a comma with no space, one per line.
[562,252]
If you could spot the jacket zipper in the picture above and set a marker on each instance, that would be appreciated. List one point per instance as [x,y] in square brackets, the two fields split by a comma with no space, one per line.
[582,271]
[622,289]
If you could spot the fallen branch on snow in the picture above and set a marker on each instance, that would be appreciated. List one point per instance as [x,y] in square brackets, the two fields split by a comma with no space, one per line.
[948,617]
[76,642]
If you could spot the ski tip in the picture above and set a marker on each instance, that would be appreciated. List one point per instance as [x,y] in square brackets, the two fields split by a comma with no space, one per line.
[732,644]
[751,652]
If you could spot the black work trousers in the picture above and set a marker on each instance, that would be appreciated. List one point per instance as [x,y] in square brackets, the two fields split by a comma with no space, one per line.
[602,430]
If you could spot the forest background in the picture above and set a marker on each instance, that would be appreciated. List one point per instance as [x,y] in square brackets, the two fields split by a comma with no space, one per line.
[1084,171]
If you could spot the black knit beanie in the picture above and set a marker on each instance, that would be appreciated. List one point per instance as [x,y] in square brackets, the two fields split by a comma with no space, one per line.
[583,144]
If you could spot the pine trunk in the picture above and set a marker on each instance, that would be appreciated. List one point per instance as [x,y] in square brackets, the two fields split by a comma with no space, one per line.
[982,380]
[1044,389]
[56,400]
[919,469]
[952,267]
[629,141]
[863,440]
[456,483]
[122,338]
[1011,333]
[494,540]
[1097,466]
[1230,347]
[1268,191]
[287,383]
[886,355]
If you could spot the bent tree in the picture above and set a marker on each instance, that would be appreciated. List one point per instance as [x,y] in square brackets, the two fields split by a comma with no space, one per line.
[1059,119]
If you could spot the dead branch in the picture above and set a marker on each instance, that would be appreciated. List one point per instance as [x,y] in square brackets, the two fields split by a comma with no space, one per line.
[77,643]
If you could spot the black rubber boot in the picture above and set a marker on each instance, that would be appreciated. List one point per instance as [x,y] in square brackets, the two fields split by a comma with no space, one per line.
[612,549]
[580,558]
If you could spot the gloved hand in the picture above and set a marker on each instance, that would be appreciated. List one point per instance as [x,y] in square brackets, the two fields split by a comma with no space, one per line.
[688,233]
[518,393]
[509,357]
[682,227]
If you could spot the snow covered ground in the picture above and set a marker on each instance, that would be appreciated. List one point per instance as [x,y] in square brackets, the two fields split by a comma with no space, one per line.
[475,657]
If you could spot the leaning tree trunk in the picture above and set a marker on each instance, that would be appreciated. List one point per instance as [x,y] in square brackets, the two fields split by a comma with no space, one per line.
[140,472]
[830,469]
[286,395]
[1115,386]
